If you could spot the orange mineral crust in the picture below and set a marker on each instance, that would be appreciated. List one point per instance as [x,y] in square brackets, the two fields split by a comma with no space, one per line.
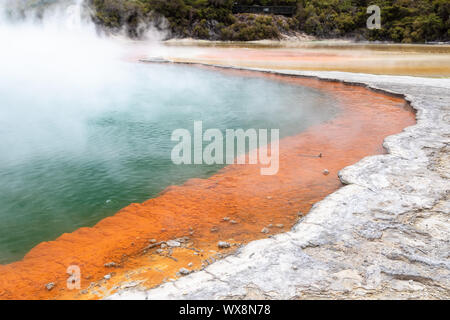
[127,248]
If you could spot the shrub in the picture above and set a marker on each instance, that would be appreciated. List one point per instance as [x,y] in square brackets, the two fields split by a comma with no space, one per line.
[402,20]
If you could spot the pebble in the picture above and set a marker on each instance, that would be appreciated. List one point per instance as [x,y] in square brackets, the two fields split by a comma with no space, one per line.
[184,271]
[226,219]
[183,239]
[223,245]
[50,286]
[107,277]
[110,265]
[163,245]
[173,243]
[326,172]
[152,240]
[279,225]
[190,264]
[214,229]
[265,230]
[233,222]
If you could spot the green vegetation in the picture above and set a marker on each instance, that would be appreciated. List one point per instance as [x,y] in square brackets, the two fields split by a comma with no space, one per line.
[404,21]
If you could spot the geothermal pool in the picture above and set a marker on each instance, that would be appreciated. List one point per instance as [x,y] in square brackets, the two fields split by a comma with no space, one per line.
[86,142]
[73,154]
[197,208]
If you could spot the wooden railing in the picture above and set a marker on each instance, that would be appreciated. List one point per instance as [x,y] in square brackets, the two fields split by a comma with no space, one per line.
[282,10]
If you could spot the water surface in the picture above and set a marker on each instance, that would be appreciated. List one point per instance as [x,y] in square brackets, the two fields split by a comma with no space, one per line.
[72,154]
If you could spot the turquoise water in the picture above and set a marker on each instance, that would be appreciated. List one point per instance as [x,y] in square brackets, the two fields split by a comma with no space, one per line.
[73,152]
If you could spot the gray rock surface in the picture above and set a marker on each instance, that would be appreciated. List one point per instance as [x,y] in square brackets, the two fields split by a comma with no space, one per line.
[386,234]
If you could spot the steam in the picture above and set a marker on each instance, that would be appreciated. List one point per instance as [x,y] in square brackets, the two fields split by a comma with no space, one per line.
[56,73]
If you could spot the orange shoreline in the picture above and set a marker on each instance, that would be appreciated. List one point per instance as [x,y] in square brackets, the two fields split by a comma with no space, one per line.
[238,192]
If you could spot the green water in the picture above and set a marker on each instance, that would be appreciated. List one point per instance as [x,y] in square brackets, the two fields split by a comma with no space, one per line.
[73,153]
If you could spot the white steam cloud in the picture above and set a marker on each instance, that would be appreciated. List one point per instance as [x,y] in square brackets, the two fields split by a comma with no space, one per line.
[56,72]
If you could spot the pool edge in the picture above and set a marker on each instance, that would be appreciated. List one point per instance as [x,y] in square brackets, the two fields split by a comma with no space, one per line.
[375,259]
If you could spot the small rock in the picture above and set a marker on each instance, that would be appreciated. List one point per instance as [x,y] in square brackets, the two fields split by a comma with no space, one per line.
[265,230]
[152,240]
[183,239]
[107,277]
[173,243]
[223,245]
[159,251]
[214,229]
[110,265]
[325,172]
[226,219]
[190,264]
[233,222]
[279,225]
[269,198]
[184,271]
[163,245]
[50,286]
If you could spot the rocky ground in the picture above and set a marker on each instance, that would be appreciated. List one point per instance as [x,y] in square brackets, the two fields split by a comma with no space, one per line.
[386,234]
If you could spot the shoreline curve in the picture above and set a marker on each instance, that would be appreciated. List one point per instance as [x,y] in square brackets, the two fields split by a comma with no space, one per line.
[123,246]
[383,235]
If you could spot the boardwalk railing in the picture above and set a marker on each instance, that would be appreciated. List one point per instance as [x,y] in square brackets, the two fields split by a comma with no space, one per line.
[282,10]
